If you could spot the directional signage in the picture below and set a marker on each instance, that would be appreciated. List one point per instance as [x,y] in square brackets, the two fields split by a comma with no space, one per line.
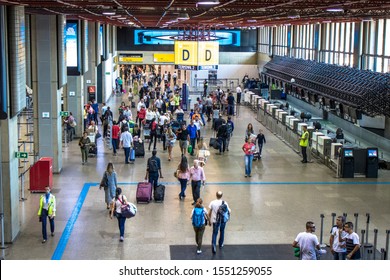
[64,114]
[21,155]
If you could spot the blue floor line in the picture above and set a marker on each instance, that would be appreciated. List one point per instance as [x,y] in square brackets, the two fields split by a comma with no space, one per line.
[59,251]
[268,183]
[61,246]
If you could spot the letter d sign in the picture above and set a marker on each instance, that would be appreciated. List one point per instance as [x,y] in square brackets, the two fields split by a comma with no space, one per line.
[185,55]
[207,55]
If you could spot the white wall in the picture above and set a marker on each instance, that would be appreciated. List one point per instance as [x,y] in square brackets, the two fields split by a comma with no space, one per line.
[375,122]
[233,71]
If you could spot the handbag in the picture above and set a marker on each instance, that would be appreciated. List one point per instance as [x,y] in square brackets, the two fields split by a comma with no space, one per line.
[104,181]
[73,124]
[189,149]
[98,135]
[176,173]
[128,210]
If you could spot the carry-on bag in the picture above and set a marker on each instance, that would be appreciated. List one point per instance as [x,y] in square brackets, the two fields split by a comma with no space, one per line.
[159,193]
[144,192]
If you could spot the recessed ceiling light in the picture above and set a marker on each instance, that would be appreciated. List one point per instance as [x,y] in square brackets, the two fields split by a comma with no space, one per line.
[335,10]
[108,13]
[251,20]
[216,2]
[327,21]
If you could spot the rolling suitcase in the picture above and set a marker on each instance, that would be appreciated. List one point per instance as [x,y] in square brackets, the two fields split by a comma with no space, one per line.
[212,141]
[139,149]
[159,193]
[132,155]
[144,192]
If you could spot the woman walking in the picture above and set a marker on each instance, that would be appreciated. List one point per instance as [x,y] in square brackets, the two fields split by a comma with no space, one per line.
[109,184]
[199,219]
[171,139]
[248,148]
[183,175]
[119,200]
[84,144]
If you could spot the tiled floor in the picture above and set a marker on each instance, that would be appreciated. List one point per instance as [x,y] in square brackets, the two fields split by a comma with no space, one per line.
[271,207]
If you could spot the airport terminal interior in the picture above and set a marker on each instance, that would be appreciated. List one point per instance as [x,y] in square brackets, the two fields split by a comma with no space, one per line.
[329,73]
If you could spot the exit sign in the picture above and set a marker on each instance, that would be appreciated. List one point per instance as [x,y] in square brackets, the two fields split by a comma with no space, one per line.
[21,155]
[64,114]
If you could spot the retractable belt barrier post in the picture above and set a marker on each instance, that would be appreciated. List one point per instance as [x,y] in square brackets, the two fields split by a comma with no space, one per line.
[356,221]
[367,226]
[333,218]
[322,230]
[387,244]
[375,242]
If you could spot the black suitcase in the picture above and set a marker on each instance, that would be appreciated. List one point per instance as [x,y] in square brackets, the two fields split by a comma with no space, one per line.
[132,104]
[139,149]
[159,193]
[214,143]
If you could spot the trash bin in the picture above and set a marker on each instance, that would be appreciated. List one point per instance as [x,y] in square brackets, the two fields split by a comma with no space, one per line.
[41,175]
[368,251]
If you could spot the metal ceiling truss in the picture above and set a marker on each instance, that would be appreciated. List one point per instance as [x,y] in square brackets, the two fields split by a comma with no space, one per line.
[227,14]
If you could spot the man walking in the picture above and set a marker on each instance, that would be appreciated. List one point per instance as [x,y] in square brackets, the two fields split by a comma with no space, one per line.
[219,214]
[304,142]
[238,91]
[307,242]
[47,209]
[222,135]
[126,142]
[153,168]
[197,176]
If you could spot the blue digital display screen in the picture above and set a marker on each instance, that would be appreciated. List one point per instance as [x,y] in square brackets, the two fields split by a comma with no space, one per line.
[168,37]
[71,44]
[372,153]
[348,153]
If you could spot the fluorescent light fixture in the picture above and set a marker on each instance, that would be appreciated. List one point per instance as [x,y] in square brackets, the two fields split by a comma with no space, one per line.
[208,2]
[251,20]
[183,16]
[327,21]
[367,19]
[122,18]
[293,14]
[109,13]
[335,10]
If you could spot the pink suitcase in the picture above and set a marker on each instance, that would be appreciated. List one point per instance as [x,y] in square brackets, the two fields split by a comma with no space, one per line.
[144,192]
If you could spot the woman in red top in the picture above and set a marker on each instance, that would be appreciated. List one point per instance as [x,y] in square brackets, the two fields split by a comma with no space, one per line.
[115,136]
[141,115]
[248,148]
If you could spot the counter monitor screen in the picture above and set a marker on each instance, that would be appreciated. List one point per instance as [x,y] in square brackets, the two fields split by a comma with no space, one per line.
[348,153]
[372,153]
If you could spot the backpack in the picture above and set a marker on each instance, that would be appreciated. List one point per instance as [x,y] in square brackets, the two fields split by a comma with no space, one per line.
[229,128]
[222,213]
[198,219]
[152,164]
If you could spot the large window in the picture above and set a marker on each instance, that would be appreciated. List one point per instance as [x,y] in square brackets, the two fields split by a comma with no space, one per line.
[303,41]
[338,43]
[264,36]
[376,45]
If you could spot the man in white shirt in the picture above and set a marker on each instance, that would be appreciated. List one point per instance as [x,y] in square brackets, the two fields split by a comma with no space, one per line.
[126,142]
[336,240]
[238,91]
[307,242]
[218,223]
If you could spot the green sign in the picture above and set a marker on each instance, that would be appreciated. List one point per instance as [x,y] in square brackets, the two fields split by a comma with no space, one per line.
[64,114]
[21,155]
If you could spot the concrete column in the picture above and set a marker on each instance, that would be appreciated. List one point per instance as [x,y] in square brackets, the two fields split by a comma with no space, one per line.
[13,50]
[387,128]
[47,98]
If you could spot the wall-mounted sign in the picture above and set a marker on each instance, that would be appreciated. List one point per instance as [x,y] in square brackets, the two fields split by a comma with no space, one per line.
[45,115]
[164,58]
[131,58]
[72,93]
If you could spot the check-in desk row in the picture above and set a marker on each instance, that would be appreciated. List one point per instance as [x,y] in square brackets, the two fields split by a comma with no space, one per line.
[289,128]
[252,99]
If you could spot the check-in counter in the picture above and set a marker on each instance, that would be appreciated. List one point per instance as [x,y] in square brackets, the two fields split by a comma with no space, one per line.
[281,114]
[334,150]
[247,97]
[299,127]
[255,101]
[324,146]
[314,140]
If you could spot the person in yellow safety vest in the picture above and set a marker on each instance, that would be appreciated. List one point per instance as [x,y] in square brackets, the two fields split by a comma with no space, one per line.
[304,142]
[176,98]
[47,208]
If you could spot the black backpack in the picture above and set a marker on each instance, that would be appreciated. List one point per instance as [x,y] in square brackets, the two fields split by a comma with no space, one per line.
[152,164]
